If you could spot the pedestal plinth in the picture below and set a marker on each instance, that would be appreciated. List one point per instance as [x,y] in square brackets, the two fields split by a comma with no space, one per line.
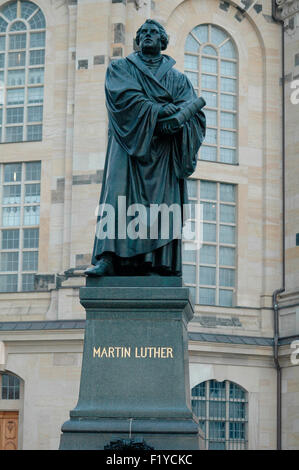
[135,369]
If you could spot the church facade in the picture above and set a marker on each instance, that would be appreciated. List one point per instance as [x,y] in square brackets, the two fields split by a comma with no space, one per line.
[242,56]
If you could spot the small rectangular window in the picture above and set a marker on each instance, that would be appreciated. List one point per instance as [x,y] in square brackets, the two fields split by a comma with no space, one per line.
[229,85]
[12,172]
[191,62]
[11,194]
[28,282]
[10,216]
[228,102]
[10,239]
[8,282]
[228,155]
[31,215]
[32,193]
[209,65]
[33,171]
[208,153]
[211,98]
[37,39]
[30,260]
[2,43]
[228,120]
[31,237]
[36,76]
[34,132]
[211,136]
[9,261]
[37,57]
[35,113]
[16,77]
[207,296]
[16,59]
[17,41]
[14,115]
[2,61]
[228,68]
[14,134]
[209,82]
[15,96]
[228,138]
[35,95]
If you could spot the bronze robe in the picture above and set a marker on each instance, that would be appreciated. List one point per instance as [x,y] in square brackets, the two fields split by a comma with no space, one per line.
[144,167]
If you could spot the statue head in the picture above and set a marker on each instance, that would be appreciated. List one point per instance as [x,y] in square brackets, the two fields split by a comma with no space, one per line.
[143,33]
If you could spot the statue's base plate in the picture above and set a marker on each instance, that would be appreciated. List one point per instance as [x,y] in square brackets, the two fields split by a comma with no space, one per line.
[134,281]
[157,433]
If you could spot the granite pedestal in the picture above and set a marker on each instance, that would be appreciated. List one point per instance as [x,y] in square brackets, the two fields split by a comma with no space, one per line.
[135,370]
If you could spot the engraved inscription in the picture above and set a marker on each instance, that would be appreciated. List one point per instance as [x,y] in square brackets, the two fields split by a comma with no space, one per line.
[139,352]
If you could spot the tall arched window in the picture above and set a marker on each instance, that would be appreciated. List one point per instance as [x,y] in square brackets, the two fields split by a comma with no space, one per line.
[222,411]
[22,59]
[211,65]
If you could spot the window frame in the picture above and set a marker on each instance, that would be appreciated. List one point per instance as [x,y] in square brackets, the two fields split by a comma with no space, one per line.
[196,198]
[230,443]
[218,148]
[16,387]
[22,226]
[31,130]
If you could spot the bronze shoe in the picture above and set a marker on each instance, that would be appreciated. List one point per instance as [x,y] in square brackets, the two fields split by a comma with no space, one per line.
[104,267]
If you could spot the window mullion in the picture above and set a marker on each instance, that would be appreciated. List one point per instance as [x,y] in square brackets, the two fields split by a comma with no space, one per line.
[1,207]
[227,440]
[5,87]
[208,413]
[18,9]
[219,105]
[198,222]
[26,84]
[21,228]
[217,242]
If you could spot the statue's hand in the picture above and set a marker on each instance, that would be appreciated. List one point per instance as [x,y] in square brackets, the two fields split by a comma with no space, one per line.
[168,110]
[169,129]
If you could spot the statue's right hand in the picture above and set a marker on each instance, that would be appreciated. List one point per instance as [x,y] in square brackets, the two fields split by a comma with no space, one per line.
[168,110]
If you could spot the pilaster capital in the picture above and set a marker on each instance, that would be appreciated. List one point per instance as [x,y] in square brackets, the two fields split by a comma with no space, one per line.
[286,9]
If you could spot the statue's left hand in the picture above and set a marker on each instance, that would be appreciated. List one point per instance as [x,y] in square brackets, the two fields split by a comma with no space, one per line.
[169,129]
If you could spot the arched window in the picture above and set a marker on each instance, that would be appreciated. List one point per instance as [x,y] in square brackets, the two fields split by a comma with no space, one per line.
[10,387]
[222,411]
[22,59]
[211,65]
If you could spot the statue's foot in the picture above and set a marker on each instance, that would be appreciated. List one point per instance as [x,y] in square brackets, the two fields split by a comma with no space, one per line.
[104,267]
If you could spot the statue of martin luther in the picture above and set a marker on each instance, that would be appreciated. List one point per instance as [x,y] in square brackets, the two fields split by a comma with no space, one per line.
[149,156]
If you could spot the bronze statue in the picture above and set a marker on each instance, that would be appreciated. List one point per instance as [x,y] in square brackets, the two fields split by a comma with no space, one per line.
[156,127]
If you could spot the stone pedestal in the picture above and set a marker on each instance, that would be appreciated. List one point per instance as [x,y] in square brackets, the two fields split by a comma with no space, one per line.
[135,372]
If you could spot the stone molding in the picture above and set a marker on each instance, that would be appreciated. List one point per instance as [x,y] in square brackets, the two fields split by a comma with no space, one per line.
[286,8]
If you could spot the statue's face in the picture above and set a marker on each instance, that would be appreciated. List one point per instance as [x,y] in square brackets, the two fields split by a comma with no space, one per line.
[150,38]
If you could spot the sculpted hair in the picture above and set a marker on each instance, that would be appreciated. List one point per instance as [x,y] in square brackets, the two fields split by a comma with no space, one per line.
[163,34]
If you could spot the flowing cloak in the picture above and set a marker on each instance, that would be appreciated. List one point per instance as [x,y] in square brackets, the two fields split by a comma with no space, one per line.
[142,167]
